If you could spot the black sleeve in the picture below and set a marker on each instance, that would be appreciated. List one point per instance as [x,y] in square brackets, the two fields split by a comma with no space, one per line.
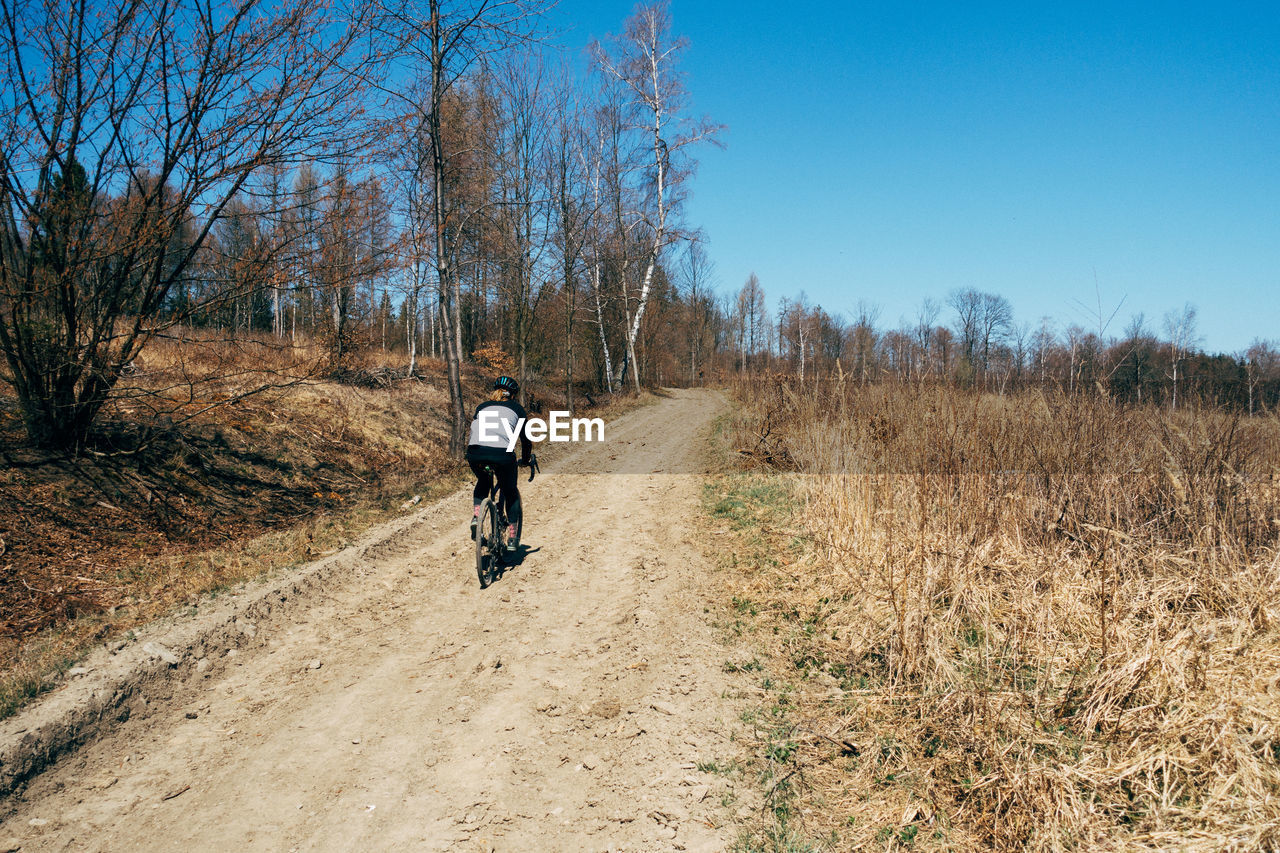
[526,446]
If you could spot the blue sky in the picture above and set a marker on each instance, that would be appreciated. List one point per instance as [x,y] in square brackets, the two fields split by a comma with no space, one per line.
[891,152]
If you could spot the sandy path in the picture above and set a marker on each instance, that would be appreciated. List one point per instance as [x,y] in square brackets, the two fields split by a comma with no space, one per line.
[564,708]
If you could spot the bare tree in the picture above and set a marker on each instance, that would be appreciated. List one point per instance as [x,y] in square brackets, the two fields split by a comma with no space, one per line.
[644,60]
[1262,362]
[522,171]
[1020,343]
[122,124]
[597,166]
[1042,348]
[922,332]
[863,337]
[697,273]
[797,327]
[1181,328]
[1132,369]
[983,319]
[752,317]
[570,160]
[274,194]
[415,156]
[443,41]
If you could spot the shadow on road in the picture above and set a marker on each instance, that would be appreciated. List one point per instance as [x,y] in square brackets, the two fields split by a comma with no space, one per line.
[513,561]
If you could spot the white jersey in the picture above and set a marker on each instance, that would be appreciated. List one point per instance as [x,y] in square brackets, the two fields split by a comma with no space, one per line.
[492,427]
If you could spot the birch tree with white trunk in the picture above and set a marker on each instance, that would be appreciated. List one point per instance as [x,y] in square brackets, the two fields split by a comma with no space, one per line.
[644,62]
[595,169]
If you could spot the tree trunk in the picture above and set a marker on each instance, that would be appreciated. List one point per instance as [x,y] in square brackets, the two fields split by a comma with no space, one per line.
[449,315]
[604,341]
[659,237]
[411,317]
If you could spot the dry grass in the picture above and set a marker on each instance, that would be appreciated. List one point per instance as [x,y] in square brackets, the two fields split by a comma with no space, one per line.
[1036,622]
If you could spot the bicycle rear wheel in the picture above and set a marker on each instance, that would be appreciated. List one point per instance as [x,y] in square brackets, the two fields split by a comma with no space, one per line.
[487,542]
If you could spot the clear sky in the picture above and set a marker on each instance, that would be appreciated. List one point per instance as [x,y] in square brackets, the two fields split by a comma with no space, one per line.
[890,151]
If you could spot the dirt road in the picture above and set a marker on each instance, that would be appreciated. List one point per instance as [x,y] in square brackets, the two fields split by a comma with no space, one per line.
[567,707]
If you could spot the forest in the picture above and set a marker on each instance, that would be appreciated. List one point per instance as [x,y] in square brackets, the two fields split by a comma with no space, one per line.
[437,181]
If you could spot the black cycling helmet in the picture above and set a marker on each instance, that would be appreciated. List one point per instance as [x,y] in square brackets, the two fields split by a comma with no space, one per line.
[506,383]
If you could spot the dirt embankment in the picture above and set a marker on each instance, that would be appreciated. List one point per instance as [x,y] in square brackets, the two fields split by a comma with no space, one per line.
[104,533]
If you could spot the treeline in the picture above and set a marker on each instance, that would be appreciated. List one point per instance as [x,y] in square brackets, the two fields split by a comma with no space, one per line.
[974,340]
[345,265]
[437,178]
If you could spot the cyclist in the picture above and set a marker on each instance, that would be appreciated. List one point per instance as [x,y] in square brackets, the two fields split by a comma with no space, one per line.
[491,450]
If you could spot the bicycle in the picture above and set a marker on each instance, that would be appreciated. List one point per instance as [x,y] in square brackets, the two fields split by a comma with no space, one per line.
[491,530]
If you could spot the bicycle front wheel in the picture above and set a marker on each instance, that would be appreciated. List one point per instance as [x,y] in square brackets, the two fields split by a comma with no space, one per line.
[487,543]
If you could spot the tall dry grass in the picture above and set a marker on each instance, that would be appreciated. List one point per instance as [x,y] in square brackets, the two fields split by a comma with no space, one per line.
[1033,622]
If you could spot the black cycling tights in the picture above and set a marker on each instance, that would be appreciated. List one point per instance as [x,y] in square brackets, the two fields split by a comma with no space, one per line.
[507,474]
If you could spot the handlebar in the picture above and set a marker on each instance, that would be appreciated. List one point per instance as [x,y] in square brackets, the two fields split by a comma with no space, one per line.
[533,466]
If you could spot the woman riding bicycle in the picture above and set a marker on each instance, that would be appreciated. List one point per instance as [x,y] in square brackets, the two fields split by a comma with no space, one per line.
[494,422]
